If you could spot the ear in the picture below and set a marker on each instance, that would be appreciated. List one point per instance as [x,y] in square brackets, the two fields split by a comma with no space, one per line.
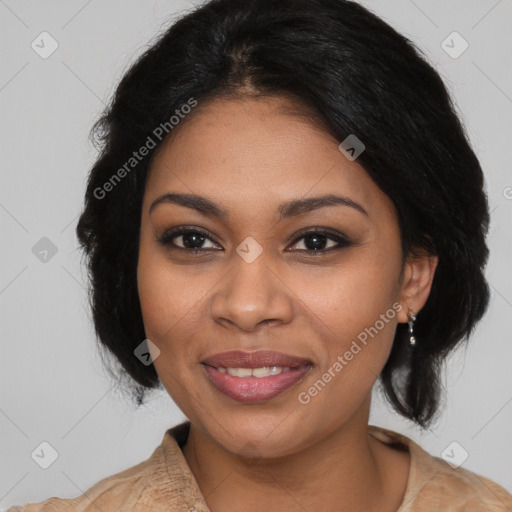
[417,278]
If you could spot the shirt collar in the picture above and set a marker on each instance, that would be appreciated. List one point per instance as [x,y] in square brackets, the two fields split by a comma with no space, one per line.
[175,480]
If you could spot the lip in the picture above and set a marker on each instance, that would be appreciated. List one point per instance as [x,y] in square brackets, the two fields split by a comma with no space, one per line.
[243,359]
[253,389]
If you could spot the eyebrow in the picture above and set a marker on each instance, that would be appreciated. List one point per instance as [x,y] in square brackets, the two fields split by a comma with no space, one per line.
[285,210]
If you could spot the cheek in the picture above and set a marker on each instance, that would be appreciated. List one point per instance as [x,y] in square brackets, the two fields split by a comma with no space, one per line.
[174,307]
[353,307]
[161,305]
[167,317]
[166,292]
[355,356]
[156,305]
[352,295]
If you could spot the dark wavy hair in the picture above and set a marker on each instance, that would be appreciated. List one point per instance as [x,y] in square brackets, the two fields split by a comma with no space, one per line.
[357,75]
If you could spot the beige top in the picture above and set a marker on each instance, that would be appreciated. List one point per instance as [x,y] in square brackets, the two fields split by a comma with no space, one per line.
[164,482]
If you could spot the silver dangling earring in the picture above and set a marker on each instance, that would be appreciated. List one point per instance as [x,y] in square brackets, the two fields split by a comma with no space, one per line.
[412,319]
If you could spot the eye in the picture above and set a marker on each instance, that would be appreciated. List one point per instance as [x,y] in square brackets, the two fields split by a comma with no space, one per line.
[317,241]
[190,240]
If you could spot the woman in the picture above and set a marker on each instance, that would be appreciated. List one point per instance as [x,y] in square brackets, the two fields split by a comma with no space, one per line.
[285,209]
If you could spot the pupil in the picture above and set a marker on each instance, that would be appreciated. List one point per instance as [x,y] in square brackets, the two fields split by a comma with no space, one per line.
[315,239]
[189,239]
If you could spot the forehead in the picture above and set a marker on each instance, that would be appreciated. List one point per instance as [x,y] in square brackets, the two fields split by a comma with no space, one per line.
[248,152]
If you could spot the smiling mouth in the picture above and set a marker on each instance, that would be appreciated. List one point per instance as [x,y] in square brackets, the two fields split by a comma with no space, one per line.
[252,377]
[261,372]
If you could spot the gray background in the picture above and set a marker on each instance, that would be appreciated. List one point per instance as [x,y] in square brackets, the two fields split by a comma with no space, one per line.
[53,386]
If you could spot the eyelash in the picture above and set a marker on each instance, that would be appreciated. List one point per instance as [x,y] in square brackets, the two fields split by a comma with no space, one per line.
[341,240]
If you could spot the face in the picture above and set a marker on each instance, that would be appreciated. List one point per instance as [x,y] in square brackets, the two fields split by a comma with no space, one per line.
[244,270]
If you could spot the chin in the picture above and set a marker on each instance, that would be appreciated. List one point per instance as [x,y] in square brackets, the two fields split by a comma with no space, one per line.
[255,433]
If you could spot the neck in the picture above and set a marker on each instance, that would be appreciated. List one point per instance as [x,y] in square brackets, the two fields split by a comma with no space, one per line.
[341,472]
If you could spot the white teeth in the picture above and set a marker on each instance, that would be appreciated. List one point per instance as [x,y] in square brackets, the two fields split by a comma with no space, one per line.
[243,372]
[263,371]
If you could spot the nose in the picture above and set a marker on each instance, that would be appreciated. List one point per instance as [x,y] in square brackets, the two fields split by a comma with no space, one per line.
[252,295]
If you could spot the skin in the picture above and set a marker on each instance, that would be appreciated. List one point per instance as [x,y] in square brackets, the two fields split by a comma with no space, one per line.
[248,156]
